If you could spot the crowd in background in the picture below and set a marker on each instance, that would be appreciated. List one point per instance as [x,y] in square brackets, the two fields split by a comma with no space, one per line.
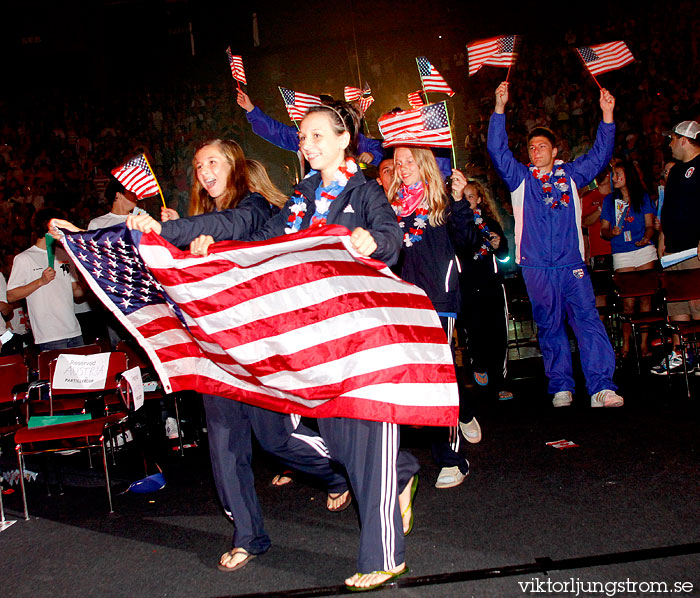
[60,153]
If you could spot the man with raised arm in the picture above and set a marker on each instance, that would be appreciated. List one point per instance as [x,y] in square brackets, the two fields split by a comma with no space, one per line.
[549,248]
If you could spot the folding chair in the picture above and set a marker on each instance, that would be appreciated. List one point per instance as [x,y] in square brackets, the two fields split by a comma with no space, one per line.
[44,361]
[79,435]
[135,359]
[635,285]
[683,285]
[13,387]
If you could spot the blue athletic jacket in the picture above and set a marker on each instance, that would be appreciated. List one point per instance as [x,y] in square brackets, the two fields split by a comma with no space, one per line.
[361,203]
[547,237]
[431,263]
[286,136]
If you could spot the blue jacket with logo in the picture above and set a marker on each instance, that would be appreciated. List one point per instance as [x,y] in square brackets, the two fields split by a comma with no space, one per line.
[547,237]
[361,203]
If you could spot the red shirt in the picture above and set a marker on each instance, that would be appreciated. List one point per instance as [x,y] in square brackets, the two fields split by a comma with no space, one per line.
[590,202]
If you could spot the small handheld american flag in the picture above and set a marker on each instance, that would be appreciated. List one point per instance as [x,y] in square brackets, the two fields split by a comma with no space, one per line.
[236,63]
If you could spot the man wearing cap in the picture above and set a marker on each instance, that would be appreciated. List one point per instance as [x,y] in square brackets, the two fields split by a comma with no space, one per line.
[680,225]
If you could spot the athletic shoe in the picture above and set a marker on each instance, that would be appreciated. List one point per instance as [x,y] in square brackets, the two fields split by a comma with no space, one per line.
[471,431]
[607,398]
[171,429]
[450,477]
[563,398]
[675,364]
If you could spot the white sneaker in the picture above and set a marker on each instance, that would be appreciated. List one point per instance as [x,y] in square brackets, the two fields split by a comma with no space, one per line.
[563,398]
[471,431]
[171,429]
[607,398]
[450,477]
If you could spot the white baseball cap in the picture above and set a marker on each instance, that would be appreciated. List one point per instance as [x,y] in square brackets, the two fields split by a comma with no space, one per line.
[688,128]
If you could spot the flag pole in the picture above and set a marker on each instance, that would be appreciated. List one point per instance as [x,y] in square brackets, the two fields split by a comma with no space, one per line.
[452,141]
[425,93]
[155,179]
[516,40]
[586,67]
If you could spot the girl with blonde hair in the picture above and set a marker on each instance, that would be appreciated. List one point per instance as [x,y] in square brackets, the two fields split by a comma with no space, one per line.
[433,223]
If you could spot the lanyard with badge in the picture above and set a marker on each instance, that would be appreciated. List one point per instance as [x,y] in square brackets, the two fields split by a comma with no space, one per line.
[622,215]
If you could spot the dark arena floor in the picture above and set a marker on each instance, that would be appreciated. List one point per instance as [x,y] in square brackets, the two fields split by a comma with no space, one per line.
[617,514]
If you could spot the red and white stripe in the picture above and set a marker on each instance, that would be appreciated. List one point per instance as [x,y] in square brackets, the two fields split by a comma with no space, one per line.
[352,94]
[415,99]
[408,128]
[291,323]
[237,70]
[136,176]
[611,56]
[488,52]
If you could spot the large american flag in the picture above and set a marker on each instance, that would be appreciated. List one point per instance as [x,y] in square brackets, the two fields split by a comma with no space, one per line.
[605,57]
[236,63]
[425,126]
[495,51]
[415,99]
[432,80]
[286,324]
[298,103]
[136,176]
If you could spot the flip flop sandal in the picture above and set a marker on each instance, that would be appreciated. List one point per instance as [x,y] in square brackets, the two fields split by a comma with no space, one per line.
[240,565]
[343,505]
[391,577]
[414,487]
[282,479]
[505,395]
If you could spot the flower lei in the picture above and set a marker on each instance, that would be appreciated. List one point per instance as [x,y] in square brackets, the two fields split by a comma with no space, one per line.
[415,233]
[324,198]
[411,197]
[326,195]
[485,234]
[560,182]
[296,213]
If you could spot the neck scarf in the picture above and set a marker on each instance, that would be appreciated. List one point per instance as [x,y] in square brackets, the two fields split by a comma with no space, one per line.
[548,180]
[410,197]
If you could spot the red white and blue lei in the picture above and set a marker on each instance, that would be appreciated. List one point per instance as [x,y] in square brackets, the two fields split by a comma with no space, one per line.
[324,198]
[486,246]
[550,180]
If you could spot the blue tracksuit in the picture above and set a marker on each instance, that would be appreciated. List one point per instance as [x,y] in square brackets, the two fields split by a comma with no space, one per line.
[549,248]
[369,450]
[287,137]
